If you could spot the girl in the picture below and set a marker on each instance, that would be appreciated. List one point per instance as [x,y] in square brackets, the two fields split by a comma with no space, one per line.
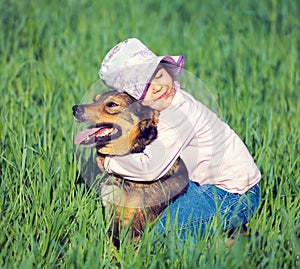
[223,176]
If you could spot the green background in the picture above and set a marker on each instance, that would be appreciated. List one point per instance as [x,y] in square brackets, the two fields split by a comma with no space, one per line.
[247,52]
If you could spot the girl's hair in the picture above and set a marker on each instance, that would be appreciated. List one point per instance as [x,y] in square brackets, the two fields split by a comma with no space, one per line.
[170,68]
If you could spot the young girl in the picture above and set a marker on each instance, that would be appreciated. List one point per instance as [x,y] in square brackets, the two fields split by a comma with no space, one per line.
[223,176]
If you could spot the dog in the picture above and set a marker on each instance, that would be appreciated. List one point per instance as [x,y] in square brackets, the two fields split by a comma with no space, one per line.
[120,125]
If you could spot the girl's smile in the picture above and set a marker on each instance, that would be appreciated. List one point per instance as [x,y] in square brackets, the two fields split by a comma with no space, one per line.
[161,91]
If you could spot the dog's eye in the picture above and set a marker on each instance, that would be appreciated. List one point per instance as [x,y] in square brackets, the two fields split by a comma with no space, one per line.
[111,104]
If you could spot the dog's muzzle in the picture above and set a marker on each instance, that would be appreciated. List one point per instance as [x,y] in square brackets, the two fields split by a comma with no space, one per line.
[78,110]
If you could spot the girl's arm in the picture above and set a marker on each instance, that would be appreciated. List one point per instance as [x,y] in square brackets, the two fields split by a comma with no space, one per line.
[175,131]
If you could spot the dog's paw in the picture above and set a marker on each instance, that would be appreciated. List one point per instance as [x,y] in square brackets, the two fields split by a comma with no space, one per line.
[100,162]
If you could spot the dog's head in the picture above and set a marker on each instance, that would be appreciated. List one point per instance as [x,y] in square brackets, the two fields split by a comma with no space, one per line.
[118,124]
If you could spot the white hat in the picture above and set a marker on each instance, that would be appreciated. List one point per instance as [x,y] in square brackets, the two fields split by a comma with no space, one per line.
[130,65]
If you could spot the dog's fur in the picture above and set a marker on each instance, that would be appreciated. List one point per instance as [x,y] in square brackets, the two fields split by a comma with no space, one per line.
[127,126]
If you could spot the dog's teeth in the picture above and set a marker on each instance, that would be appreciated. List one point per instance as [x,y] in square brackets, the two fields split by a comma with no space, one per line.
[106,132]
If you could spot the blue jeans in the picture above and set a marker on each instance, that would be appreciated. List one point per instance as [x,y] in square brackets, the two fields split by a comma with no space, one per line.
[202,205]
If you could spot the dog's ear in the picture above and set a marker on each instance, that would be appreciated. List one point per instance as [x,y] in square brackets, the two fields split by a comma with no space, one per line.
[147,127]
[144,112]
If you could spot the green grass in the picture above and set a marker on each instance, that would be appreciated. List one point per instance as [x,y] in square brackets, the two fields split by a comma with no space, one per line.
[247,52]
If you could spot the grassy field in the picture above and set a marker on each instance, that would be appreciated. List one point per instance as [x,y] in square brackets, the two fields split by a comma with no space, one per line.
[247,52]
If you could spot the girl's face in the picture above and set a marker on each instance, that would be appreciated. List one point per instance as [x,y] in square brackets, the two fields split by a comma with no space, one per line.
[161,91]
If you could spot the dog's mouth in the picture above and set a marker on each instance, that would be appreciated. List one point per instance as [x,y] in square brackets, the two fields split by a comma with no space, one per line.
[97,135]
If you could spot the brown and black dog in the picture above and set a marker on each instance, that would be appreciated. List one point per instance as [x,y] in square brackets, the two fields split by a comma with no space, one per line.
[120,125]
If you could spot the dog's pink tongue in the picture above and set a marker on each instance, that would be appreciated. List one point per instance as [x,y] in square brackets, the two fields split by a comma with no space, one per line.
[81,136]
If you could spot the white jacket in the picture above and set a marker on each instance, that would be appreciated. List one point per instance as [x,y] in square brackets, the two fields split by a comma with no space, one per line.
[212,152]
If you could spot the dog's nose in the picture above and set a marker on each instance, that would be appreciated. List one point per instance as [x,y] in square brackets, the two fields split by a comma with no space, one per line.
[78,110]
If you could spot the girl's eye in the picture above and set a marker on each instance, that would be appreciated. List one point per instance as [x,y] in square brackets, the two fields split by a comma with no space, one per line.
[158,76]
